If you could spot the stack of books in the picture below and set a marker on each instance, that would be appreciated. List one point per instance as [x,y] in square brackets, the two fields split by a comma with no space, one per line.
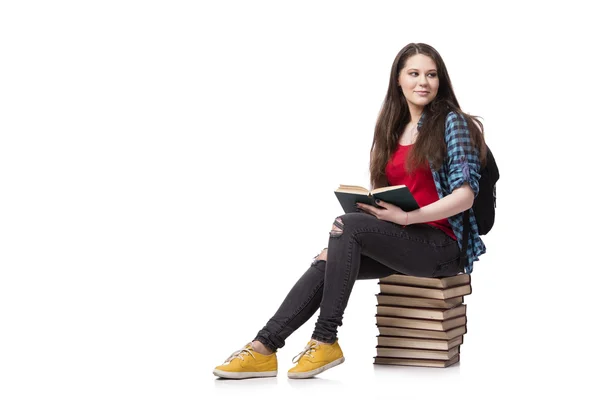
[421,321]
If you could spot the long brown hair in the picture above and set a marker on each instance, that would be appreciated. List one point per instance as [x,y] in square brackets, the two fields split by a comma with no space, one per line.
[430,146]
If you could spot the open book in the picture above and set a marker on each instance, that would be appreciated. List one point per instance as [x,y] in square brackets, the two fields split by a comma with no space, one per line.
[398,195]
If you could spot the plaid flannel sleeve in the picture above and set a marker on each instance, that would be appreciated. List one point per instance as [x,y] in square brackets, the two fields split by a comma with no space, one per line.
[463,158]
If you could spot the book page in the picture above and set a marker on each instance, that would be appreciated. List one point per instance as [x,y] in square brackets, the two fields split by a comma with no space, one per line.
[387,188]
[352,189]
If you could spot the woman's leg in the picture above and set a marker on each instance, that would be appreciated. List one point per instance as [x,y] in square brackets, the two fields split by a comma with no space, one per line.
[298,306]
[305,298]
[417,250]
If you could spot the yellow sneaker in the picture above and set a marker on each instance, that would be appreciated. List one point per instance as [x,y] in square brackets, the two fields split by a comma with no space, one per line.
[247,363]
[316,358]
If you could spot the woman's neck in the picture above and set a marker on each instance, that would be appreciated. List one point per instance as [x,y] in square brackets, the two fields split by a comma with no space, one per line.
[415,113]
[414,119]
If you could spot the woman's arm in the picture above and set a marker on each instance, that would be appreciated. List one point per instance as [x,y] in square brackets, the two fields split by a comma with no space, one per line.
[462,176]
[459,200]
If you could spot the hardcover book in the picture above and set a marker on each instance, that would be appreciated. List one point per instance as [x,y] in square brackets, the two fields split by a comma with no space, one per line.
[421,333]
[416,353]
[398,195]
[419,302]
[413,362]
[415,343]
[414,323]
[436,283]
[422,313]
[429,293]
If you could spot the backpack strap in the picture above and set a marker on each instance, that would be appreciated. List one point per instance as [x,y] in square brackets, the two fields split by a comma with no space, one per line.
[465,240]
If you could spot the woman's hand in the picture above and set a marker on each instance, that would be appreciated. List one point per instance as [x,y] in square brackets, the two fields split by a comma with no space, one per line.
[389,212]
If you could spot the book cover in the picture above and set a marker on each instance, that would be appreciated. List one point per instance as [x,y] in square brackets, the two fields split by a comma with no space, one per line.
[398,195]
[442,294]
[395,300]
[413,362]
[435,283]
[422,313]
[421,333]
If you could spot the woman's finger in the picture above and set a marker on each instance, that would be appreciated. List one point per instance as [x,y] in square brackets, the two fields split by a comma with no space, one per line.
[381,203]
[366,207]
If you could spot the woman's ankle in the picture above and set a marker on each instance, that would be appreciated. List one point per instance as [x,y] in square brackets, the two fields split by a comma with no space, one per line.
[261,348]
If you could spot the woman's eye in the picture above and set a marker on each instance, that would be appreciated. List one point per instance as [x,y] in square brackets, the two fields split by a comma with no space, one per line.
[433,75]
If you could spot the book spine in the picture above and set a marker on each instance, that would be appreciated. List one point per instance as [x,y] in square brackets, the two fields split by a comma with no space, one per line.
[372,200]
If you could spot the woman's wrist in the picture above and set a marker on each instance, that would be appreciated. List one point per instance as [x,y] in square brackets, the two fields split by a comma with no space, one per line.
[403,219]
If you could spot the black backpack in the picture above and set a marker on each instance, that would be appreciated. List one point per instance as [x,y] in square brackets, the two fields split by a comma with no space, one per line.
[484,205]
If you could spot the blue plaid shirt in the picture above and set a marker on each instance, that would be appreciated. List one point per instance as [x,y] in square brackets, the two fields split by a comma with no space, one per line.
[460,165]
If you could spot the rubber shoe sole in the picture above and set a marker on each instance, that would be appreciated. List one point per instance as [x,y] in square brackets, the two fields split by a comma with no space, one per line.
[310,374]
[243,375]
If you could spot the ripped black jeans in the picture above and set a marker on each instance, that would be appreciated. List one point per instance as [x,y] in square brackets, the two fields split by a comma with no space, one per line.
[362,247]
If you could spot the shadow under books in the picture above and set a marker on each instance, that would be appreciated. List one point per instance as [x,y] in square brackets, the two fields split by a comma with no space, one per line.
[394,371]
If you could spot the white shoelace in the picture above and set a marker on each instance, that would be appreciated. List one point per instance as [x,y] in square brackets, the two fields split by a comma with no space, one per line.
[308,350]
[240,354]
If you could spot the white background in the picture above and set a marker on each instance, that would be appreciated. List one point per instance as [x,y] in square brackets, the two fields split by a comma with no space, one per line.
[167,173]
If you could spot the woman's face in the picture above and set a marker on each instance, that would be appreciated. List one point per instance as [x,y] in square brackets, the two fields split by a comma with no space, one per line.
[419,80]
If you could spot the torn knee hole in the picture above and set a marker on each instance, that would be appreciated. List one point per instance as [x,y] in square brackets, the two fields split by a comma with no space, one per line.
[337,228]
[323,255]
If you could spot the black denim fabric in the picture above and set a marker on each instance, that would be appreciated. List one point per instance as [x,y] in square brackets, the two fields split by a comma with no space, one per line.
[367,248]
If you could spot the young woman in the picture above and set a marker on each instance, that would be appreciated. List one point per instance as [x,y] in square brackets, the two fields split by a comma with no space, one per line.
[424,141]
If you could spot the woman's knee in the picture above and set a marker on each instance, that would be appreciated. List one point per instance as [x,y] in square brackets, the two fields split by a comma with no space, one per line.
[322,255]
[347,221]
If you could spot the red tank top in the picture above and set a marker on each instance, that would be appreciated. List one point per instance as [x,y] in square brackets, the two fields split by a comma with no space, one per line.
[420,183]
